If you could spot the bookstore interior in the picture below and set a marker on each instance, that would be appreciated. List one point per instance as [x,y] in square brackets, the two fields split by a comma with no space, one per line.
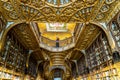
[59,39]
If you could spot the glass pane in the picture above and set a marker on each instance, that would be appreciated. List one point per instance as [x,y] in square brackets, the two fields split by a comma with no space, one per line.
[57,79]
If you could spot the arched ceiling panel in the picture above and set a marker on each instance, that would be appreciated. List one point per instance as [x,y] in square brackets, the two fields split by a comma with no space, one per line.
[59,10]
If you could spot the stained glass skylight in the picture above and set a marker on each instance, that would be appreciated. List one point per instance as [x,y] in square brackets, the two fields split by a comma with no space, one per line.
[58,3]
[56,27]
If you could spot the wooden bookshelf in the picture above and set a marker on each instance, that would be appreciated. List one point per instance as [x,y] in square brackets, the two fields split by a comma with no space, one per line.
[100,61]
[13,60]
[99,53]
[108,73]
[81,65]
[6,74]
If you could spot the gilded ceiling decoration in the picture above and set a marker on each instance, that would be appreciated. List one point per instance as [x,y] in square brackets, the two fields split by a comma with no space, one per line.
[58,10]
[25,36]
[87,36]
[59,3]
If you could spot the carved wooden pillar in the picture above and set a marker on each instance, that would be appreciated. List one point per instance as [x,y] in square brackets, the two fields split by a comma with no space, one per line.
[28,57]
[75,61]
[83,51]
[27,64]
[38,62]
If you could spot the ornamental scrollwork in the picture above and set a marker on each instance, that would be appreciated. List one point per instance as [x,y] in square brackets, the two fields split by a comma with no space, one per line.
[57,10]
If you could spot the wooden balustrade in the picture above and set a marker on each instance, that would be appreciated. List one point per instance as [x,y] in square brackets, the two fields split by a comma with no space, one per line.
[52,43]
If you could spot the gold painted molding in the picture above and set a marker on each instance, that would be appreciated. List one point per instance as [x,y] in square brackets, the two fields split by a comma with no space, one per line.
[108,35]
[44,11]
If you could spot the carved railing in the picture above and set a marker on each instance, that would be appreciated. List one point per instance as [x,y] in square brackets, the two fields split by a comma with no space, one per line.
[51,44]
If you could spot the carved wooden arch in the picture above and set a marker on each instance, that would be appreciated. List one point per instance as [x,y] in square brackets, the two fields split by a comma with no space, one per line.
[116,20]
[3,37]
[118,17]
[75,61]
[108,35]
[60,68]
[5,32]
[69,64]
[57,67]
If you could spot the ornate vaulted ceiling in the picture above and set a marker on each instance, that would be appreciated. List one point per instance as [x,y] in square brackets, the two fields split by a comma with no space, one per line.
[59,10]
[87,36]
[26,37]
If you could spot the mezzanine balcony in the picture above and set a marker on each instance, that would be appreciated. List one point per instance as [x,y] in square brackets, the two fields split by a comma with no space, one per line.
[50,45]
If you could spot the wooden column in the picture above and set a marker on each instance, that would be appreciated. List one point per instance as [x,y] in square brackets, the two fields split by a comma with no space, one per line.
[28,56]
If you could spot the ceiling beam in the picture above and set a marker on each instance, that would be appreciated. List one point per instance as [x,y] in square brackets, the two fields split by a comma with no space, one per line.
[96,9]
